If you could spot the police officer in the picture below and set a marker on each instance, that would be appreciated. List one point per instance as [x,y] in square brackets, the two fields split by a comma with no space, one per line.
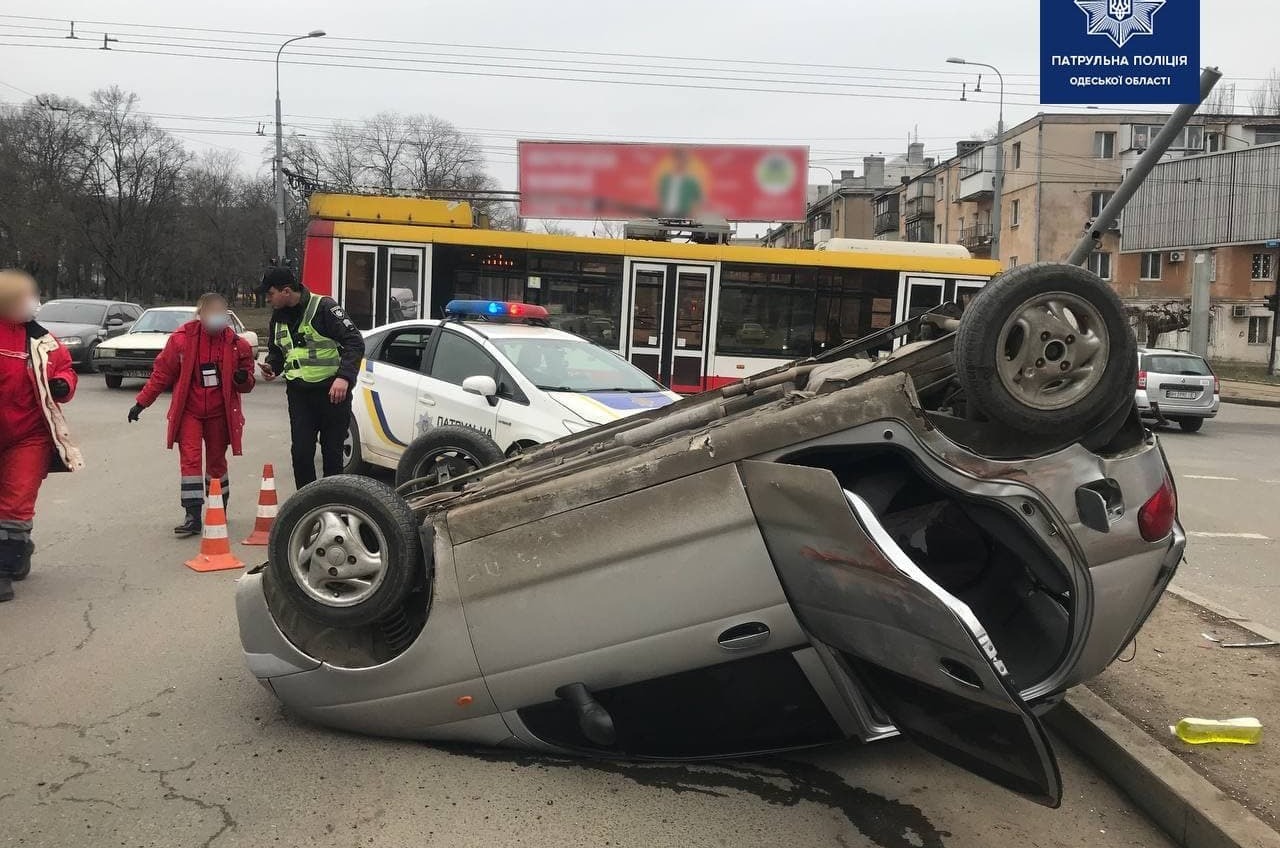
[318,350]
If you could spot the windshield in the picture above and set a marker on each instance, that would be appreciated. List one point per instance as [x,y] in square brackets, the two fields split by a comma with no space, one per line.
[568,365]
[70,312]
[162,320]
[1191,366]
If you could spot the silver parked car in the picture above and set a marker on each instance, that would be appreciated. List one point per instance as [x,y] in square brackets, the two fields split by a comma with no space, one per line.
[1174,385]
[935,543]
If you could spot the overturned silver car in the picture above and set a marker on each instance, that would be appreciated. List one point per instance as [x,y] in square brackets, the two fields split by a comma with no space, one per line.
[938,542]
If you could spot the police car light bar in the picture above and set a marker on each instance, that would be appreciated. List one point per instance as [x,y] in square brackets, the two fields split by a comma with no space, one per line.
[494,309]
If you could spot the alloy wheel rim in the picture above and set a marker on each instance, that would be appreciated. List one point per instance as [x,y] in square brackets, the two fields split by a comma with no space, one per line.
[338,555]
[1052,351]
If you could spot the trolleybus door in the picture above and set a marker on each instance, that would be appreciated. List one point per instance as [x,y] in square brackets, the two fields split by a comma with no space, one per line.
[359,290]
[668,323]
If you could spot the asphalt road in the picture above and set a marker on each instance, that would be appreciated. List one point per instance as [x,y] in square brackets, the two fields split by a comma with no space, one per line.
[127,718]
[1228,478]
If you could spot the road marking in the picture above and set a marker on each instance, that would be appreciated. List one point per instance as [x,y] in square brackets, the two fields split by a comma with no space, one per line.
[1208,477]
[1255,536]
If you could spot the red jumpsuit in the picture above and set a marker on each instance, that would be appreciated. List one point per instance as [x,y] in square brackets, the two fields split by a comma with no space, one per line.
[26,444]
[205,409]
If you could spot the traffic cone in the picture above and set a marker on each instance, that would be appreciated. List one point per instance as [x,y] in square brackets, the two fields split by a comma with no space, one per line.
[215,551]
[266,508]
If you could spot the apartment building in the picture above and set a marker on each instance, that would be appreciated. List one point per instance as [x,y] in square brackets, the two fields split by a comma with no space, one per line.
[1226,204]
[1059,172]
[845,208]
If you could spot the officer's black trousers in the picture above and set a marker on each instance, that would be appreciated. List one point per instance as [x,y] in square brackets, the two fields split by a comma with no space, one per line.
[312,416]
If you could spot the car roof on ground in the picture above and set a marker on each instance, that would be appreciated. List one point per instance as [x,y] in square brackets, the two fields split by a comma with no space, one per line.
[489,329]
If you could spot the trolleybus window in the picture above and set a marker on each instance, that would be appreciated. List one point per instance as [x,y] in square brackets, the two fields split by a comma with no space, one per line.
[582,293]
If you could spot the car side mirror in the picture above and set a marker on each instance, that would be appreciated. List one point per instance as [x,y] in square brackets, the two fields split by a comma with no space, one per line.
[484,386]
[115,322]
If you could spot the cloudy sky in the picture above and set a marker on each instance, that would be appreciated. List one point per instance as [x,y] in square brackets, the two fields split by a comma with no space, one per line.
[880,67]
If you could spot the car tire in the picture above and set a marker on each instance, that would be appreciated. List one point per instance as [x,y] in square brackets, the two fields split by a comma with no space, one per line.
[90,367]
[445,452]
[1190,425]
[345,551]
[1046,349]
[114,381]
[353,457]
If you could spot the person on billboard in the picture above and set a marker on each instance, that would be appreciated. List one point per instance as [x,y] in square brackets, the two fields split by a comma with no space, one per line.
[679,189]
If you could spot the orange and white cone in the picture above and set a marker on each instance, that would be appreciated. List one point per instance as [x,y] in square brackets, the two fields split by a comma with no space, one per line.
[215,550]
[267,506]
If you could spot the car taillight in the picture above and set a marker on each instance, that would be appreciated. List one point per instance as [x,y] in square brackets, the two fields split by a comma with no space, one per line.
[1217,387]
[1155,519]
[1142,379]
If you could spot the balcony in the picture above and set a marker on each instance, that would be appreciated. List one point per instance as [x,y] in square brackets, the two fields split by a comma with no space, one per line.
[920,205]
[977,178]
[977,239]
[920,230]
[886,222]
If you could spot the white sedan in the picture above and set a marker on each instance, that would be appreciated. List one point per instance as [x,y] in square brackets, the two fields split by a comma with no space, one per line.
[461,393]
[134,353]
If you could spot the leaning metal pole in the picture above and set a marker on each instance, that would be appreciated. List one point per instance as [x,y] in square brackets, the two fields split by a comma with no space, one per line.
[1129,186]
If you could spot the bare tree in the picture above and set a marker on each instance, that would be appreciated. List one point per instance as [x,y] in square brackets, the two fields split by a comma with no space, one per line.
[1265,100]
[1160,318]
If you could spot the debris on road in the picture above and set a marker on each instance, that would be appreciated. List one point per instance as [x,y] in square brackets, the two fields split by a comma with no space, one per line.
[1233,731]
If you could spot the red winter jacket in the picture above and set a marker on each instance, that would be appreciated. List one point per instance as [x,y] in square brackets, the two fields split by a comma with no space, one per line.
[174,369]
[29,409]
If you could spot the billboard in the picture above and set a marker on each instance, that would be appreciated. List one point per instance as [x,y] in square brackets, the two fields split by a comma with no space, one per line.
[586,180]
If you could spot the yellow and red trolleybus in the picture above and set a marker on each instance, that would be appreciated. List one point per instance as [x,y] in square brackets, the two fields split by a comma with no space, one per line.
[693,316]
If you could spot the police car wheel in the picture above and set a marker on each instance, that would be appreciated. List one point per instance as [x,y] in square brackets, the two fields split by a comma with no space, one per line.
[345,551]
[444,453]
[352,457]
[1047,349]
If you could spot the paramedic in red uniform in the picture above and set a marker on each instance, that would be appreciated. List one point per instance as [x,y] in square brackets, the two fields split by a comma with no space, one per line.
[208,367]
[36,377]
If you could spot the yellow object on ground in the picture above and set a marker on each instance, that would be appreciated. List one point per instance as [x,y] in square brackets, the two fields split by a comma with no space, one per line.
[1237,731]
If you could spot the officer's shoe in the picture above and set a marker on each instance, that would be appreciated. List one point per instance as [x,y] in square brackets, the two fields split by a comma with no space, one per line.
[191,526]
[6,588]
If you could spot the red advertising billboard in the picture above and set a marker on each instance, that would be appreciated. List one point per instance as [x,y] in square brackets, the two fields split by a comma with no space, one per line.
[586,180]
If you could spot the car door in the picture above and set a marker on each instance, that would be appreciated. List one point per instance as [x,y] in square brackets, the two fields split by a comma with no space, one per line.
[441,399]
[388,389]
[917,650]
[118,320]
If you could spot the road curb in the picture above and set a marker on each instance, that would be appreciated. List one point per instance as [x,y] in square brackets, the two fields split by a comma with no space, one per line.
[1190,809]
[1247,401]
[1269,633]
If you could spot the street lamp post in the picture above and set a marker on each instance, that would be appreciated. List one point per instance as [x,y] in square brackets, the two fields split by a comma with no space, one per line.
[279,169]
[998,182]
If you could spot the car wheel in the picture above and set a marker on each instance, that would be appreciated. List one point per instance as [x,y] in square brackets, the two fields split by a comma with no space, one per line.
[114,381]
[1190,425]
[1045,349]
[352,457]
[345,550]
[89,365]
[443,453]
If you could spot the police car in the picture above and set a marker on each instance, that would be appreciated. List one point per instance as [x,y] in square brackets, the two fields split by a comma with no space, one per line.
[437,399]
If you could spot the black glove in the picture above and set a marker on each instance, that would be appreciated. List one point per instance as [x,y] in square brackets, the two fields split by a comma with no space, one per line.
[61,388]
[241,376]
[135,412]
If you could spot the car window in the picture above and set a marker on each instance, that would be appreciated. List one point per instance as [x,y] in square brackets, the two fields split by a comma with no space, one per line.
[457,358]
[69,312]
[572,365]
[1191,366]
[118,311]
[236,324]
[162,320]
[134,311]
[404,348]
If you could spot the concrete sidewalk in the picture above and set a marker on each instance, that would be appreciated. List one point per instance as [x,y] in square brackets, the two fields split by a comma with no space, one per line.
[1250,393]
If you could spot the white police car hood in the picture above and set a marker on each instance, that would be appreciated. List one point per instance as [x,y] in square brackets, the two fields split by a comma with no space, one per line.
[603,407]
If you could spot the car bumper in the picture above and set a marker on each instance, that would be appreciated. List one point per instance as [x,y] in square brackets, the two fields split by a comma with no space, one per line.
[1171,409]
[124,366]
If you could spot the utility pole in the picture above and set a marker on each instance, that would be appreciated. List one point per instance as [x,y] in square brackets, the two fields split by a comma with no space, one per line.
[1201,271]
[1273,358]
[279,166]
[997,182]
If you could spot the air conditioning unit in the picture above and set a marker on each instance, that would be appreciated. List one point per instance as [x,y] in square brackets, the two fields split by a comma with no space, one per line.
[1177,255]
[1240,310]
